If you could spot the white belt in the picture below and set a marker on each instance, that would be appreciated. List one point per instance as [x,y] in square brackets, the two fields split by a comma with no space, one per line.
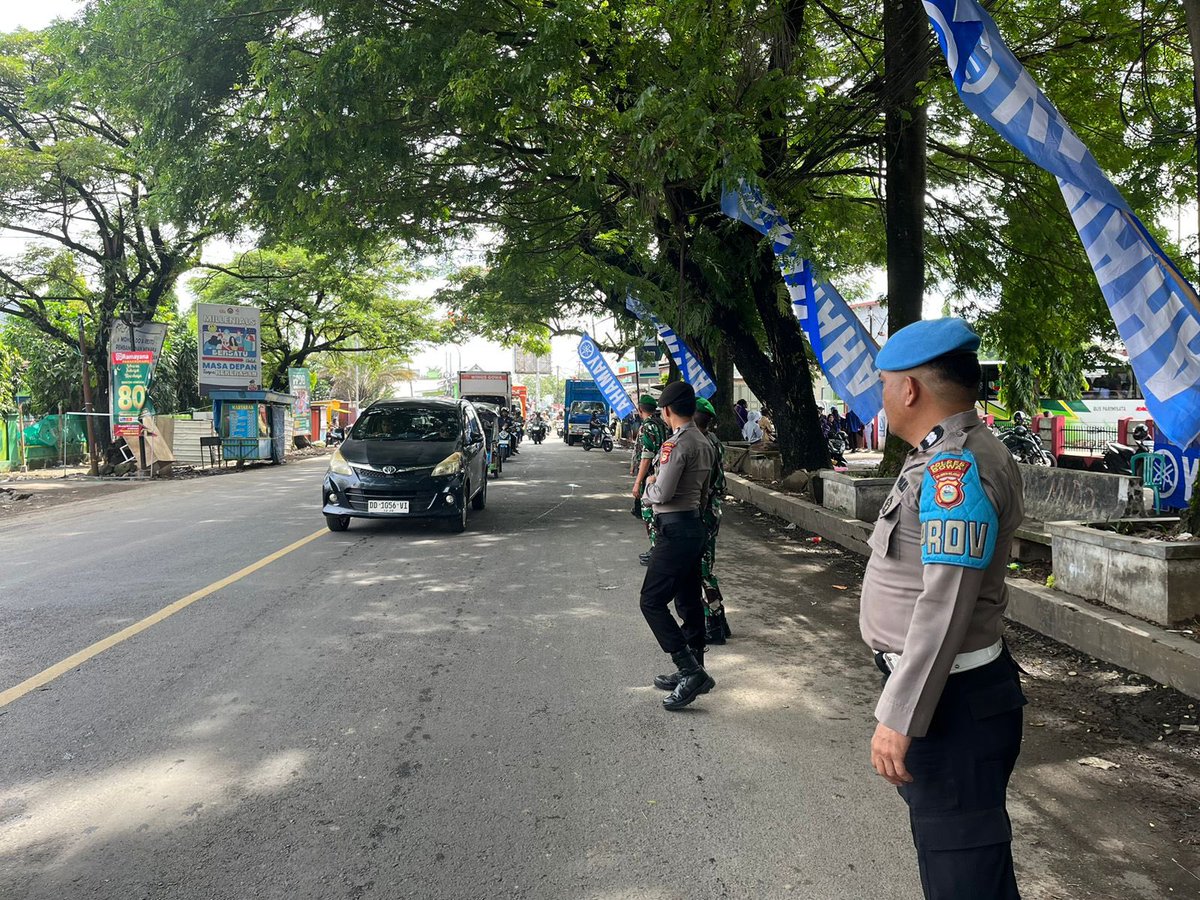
[963,662]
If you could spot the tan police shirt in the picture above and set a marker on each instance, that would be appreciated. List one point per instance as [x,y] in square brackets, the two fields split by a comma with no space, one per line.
[934,585]
[682,473]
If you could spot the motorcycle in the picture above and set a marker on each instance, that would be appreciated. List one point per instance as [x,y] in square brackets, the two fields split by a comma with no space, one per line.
[1118,458]
[538,432]
[1026,447]
[598,437]
[839,442]
[335,436]
[504,445]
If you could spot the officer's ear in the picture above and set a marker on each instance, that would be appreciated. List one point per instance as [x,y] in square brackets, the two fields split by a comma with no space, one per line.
[912,390]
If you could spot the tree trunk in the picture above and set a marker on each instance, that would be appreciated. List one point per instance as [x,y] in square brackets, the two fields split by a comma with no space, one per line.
[1191,9]
[906,65]
[723,399]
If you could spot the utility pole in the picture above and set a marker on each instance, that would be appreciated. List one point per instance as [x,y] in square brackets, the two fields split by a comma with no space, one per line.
[87,400]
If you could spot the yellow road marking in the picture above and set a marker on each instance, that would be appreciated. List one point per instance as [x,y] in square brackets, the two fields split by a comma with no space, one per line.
[71,662]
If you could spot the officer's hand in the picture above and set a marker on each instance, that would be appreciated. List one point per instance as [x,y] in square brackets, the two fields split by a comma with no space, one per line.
[888,749]
[651,480]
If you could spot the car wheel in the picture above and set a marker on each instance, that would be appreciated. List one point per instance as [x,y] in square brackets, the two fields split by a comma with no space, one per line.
[459,523]
[479,501]
[337,523]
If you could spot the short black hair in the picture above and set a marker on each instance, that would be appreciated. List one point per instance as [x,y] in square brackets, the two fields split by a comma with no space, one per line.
[685,406]
[958,370]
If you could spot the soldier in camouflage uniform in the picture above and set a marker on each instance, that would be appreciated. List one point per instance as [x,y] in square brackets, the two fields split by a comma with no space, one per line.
[716,628]
[651,436]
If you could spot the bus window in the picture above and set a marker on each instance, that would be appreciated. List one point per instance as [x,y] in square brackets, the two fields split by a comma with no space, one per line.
[1112,383]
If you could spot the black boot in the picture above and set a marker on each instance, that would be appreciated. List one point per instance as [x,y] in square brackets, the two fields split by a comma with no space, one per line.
[670,682]
[693,681]
[714,631]
[715,624]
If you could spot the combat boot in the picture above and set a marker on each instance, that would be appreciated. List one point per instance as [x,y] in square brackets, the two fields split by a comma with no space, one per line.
[669,682]
[693,681]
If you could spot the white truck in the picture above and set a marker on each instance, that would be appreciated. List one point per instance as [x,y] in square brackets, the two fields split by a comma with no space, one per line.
[486,387]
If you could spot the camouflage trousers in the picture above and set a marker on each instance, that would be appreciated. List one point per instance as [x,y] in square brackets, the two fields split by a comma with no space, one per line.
[648,519]
[712,588]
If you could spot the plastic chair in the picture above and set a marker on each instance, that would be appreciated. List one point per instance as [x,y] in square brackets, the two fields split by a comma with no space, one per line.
[1154,474]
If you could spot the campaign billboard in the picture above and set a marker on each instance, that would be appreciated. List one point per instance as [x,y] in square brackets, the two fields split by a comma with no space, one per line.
[229,348]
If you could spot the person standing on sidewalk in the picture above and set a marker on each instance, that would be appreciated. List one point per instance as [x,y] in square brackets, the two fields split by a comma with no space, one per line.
[933,599]
[676,492]
[716,628]
[651,437]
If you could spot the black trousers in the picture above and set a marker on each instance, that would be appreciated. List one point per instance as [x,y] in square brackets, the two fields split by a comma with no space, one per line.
[674,574]
[960,771]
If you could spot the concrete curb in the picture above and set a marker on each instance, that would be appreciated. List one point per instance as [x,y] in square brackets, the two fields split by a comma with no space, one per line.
[1114,637]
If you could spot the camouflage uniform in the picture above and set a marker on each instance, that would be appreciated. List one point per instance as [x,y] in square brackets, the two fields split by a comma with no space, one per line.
[651,437]
[714,607]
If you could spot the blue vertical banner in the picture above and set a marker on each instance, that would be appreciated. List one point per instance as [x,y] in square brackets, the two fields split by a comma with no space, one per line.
[1154,307]
[610,386]
[689,364]
[841,343]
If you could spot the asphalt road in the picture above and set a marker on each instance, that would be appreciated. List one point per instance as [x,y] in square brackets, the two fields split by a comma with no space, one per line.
[400,712]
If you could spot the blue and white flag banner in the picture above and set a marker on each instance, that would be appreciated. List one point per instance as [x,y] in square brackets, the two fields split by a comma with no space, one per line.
[841,343]
[1155,309]
[689,364]
[610,386]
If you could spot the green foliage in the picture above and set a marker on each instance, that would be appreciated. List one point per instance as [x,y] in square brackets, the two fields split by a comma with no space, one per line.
[316,304]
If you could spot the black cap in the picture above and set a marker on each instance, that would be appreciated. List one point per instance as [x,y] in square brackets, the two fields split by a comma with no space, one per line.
[674,392]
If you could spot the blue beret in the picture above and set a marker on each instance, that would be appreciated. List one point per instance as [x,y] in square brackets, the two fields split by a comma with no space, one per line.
[918,343]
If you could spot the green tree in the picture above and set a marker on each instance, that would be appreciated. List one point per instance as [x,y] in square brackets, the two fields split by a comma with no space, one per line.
[74,183]
[312,303]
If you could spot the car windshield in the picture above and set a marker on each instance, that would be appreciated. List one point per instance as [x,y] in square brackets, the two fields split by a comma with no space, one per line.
[407,423]
[587,408]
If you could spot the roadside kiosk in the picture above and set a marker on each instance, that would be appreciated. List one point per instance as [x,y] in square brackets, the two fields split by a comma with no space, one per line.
[253,425]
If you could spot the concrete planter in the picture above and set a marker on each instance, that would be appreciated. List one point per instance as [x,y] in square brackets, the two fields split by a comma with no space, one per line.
[1155,580]
[763,466]
[854,496]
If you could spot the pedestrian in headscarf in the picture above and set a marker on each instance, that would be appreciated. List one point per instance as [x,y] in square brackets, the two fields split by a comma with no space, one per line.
[740,412]
[752,431]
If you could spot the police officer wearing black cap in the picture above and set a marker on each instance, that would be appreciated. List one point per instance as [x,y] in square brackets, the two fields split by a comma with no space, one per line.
[933,599]
[675,492]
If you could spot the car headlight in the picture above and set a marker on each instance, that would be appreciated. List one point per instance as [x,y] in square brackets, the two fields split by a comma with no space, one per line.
[449,466]
[338,464]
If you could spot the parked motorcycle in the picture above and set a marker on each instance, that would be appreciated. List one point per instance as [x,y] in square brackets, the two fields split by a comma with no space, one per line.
[839,443]
[599,437]
[1118,458]
[1024,443]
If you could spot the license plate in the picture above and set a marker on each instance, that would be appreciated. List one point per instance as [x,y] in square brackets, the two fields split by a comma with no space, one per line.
[398,507]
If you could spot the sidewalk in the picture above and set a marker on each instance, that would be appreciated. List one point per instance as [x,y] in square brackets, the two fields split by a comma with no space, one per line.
[1120,639]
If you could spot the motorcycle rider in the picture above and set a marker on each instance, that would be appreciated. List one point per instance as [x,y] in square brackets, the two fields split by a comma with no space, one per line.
[596,426]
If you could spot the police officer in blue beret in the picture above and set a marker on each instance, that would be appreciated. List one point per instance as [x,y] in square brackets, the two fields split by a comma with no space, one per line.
[933,599]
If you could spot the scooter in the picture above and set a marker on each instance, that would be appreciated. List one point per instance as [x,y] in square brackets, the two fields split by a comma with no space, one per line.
[598,438]
[839,442]
[538,432]
[1026,447]
[1118,458]
[504,445]
[335,436]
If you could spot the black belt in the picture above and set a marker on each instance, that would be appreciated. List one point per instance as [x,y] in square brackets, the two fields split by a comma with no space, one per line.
[668,517]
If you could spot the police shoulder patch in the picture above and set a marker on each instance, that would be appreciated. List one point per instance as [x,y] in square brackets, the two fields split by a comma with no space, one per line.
[958,521]
[667,447]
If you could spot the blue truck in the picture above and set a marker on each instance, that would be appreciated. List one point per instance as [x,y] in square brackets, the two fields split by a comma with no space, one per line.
[581,399]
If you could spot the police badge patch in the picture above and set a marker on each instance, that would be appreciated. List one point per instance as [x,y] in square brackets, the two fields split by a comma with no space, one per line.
[958,521]
[666,452]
